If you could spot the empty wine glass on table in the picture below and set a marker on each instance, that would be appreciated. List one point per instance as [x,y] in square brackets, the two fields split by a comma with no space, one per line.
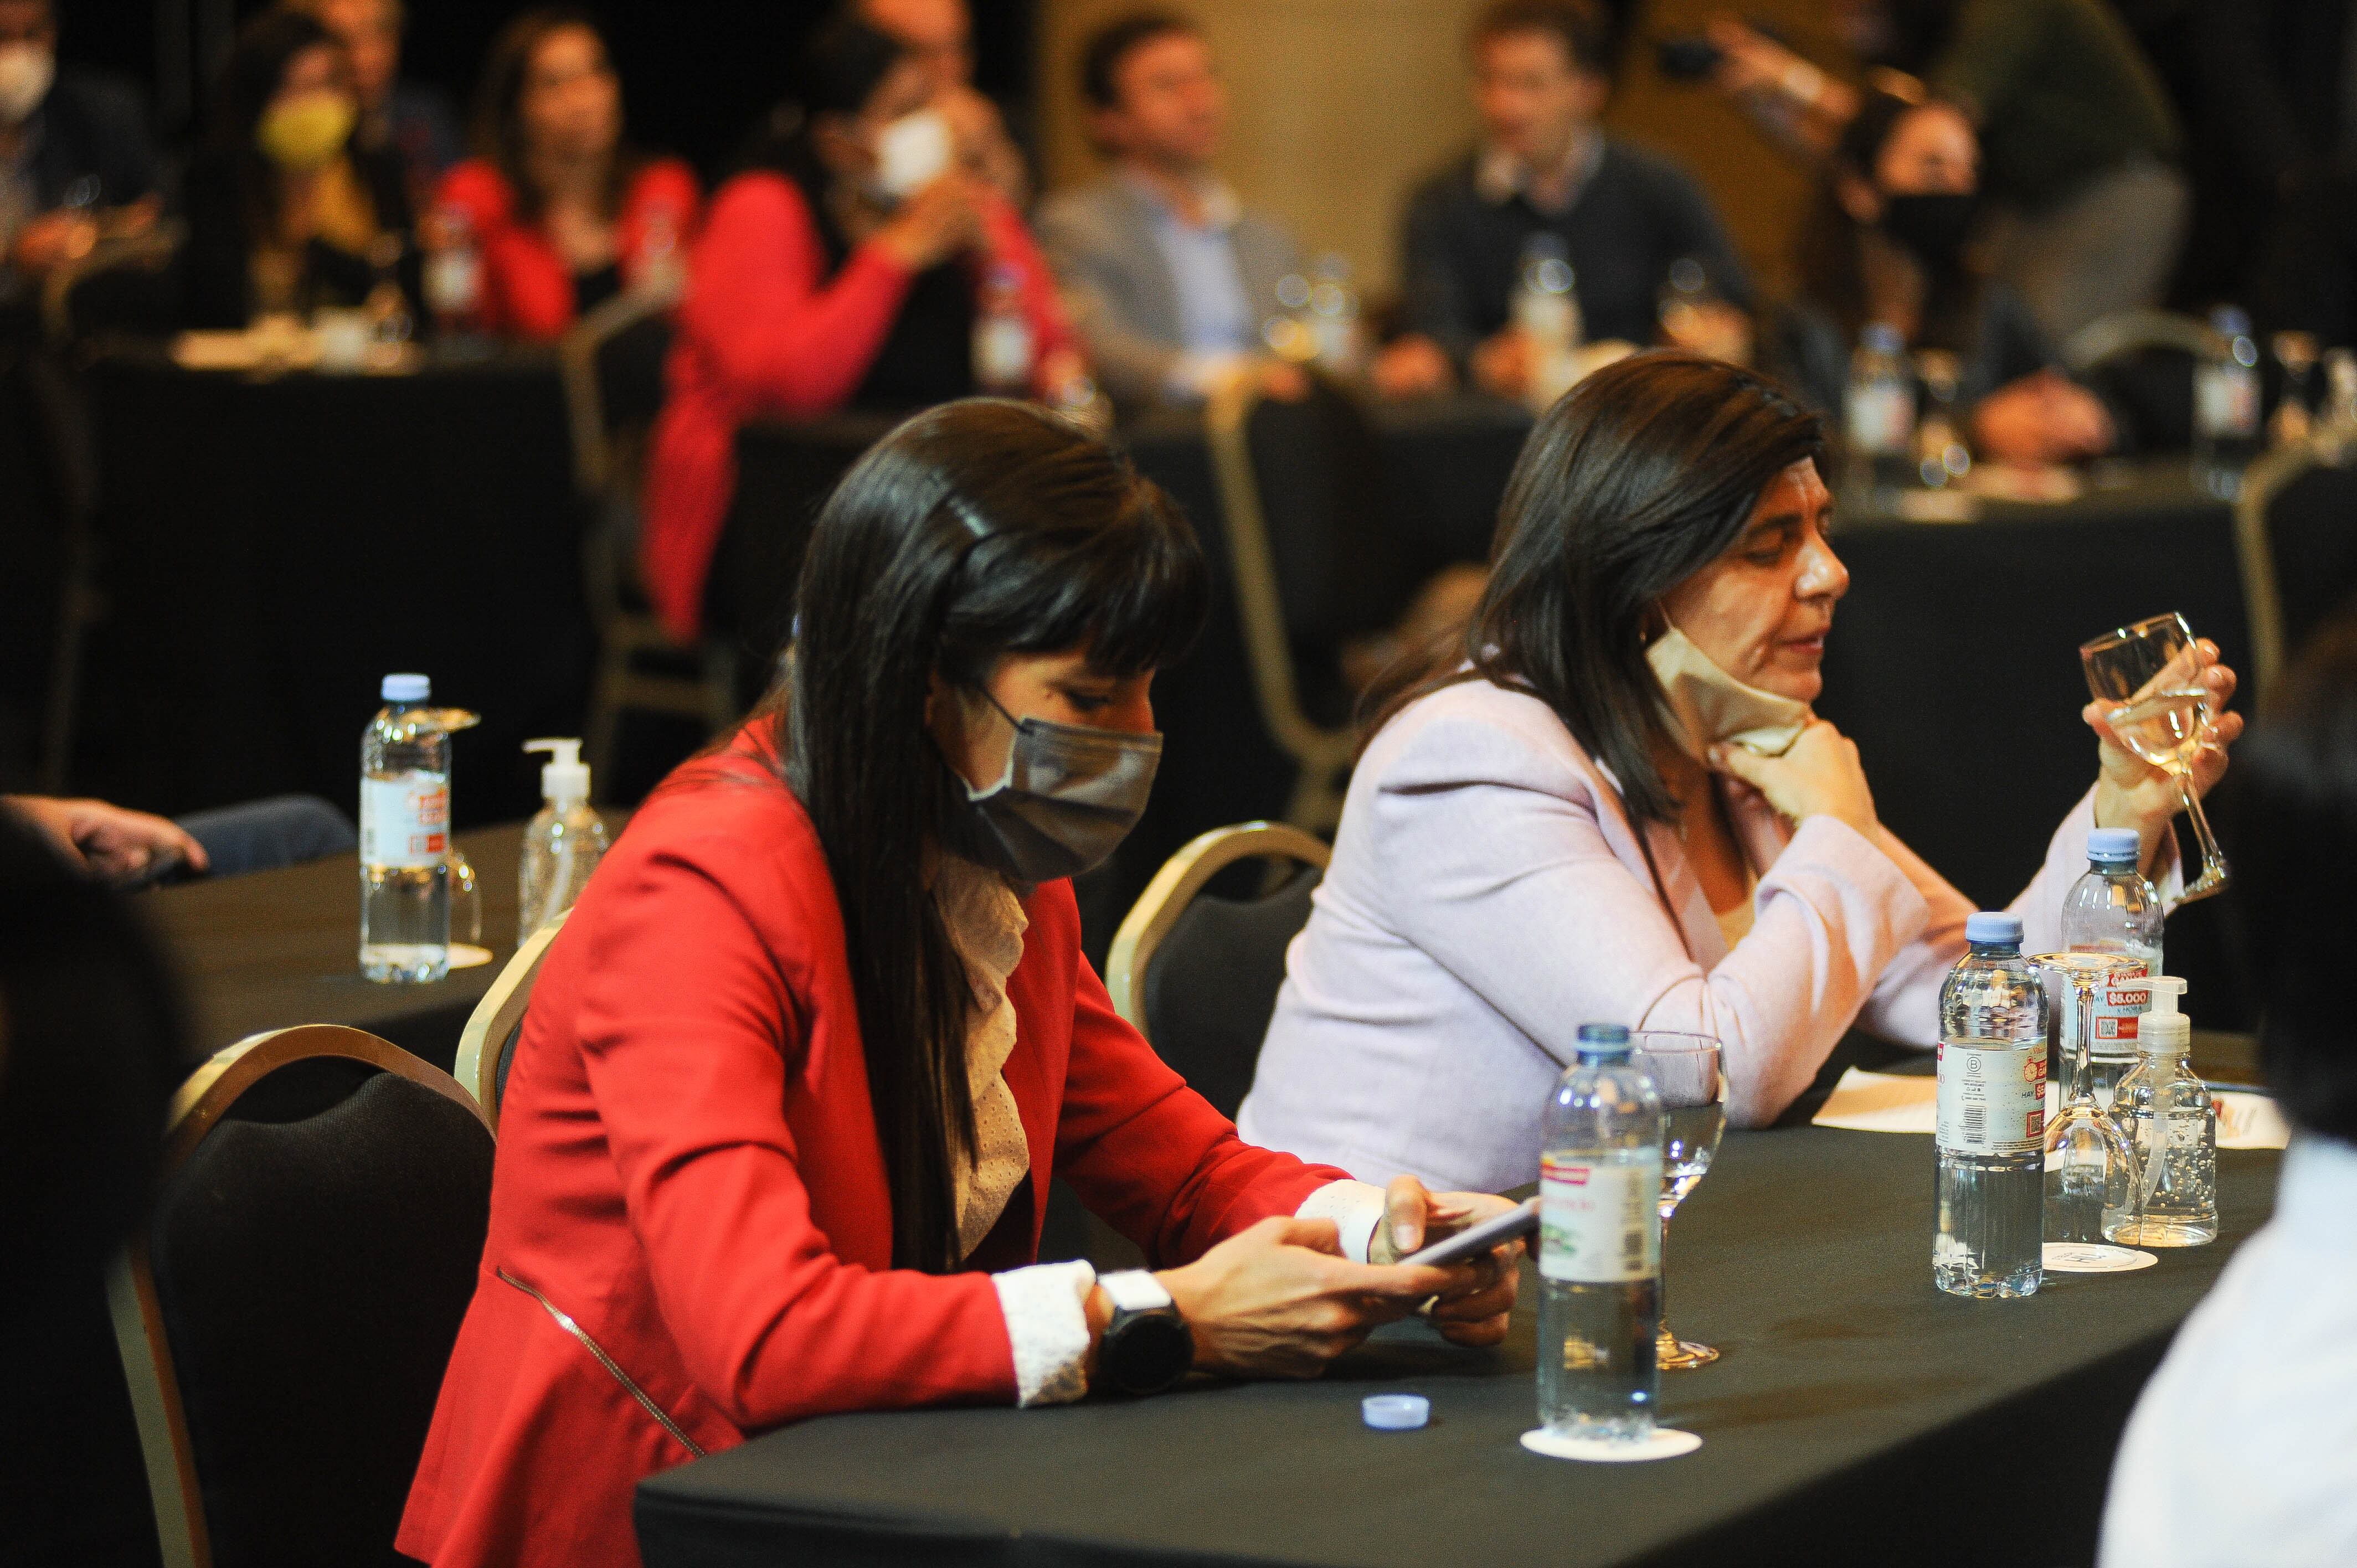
[2088,1163]
[2148,679]
[1686,1069]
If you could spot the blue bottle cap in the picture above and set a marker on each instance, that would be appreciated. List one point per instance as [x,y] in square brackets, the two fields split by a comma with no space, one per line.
[2230,320]
[1993,926]
[2111,845]
[1603,1033]
[406,689]
[1396,1413]
[1883,339]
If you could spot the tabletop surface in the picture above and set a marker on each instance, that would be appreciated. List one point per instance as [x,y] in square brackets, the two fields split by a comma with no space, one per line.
[275,948]
[1805,1257]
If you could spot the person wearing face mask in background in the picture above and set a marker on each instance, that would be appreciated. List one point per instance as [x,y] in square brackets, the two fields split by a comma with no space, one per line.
[842,267]
[411,119]
[801,1064]
[285,212]
[74,152]
[1889,243]
[1610,802]
[938,34]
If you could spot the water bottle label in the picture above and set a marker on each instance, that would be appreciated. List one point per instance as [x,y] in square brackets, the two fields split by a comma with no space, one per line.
[405,822]
[1600,1223]
[1880,417]
[1991,1100]
[2118,1005]
[1002,351]
[2226,401]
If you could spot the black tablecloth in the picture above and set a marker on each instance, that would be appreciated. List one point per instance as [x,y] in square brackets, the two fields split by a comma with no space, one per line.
[1858,1416]
[273,546]
[280,948]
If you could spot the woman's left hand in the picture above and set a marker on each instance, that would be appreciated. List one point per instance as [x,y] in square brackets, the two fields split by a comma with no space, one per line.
[2131,792]
[1476,1314]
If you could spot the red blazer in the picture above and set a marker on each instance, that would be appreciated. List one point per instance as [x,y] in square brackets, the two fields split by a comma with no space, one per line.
[688,1166]
[527,287]
[765,332]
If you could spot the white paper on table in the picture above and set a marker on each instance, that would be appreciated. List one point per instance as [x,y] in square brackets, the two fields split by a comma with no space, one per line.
[1895,1103]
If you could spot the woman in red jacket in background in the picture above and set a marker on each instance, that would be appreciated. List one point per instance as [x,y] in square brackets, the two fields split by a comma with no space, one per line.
[565,214]
[828,277]
[778,1134]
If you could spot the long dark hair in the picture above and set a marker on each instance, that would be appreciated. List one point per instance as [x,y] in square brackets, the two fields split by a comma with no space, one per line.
[1833,273]
[977,529]
[2292,823]
[499,130]
[1637,478]
[250,79]
[839,69]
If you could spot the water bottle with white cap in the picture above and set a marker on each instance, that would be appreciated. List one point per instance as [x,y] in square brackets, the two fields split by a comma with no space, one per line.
[2164,1109]
[2115,911]
[404,836]
[561,843]
[1991,1116]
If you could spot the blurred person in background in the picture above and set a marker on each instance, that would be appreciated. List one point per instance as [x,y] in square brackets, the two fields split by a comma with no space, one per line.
[124,848]
[563,212]
[1167,276]
[2279,79]
[2080,141]
[73,147]
[410,117]
[1889,243]
[286,212]
[1543,71]
[2242,1444]
[939,35]
[842,268]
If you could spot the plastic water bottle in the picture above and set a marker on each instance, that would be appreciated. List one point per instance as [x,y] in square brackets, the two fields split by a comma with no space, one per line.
[1548,313]
[2112,910]
[1334,317]
[404,837]
[2227,404]
[561,843]
[1992,1116]
[1879,411]
[1601,1245]
[1002,334]
[2165,1111]
[663,269]
[453,278]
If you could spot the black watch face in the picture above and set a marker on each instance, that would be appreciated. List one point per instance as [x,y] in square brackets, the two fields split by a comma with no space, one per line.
[1149,1352]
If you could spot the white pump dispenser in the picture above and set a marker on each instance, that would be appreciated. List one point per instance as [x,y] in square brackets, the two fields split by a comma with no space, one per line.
[562,844]
[2163,1030]
[2170,1125]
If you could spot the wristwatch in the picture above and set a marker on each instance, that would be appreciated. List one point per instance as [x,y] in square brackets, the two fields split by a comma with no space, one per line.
[1146,1347]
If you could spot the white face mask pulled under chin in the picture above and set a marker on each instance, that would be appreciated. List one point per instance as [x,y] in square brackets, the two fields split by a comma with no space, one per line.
[25,72]
[1709,707]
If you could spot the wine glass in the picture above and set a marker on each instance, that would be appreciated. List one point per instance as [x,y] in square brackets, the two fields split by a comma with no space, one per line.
[1686,1069]
[2149,678]
[2088,1163]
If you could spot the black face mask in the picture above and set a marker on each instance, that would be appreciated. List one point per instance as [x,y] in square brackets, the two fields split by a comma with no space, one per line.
[1935,227]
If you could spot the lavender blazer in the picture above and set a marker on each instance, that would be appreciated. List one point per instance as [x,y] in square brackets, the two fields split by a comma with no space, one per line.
[1488,895]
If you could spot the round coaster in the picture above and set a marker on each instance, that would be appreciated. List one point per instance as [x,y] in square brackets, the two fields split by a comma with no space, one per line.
[2092,1258]
[466,955]
[1665,1443]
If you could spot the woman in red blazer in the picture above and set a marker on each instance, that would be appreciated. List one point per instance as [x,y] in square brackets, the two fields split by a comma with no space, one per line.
[814,288]
[565,214]
[778,1131]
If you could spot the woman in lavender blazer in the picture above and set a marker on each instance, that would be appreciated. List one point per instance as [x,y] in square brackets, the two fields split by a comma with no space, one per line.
[1554,826]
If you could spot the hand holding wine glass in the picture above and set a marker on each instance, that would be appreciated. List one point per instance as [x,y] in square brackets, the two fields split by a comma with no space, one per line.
[2158,715]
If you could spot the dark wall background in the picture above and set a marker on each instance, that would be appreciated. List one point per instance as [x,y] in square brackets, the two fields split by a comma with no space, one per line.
[695,73]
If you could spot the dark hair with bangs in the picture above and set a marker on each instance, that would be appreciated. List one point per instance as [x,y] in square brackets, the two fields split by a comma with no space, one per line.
[1641,476]
[976,529]
[2293,824]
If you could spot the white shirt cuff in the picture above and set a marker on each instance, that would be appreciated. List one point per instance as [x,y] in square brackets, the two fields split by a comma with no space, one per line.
[1354,1206]
[1047,1325]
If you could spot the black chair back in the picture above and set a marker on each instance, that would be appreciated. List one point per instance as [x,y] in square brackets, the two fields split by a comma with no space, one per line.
[312,1257]
[1211,988]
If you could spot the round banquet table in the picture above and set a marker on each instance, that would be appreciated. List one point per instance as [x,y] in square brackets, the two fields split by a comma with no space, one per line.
[1858,1416]
[272,545]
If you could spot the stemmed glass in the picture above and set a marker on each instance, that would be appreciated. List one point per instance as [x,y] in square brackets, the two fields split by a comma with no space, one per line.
[2087,1161]
[2149,678]
[1686,1069]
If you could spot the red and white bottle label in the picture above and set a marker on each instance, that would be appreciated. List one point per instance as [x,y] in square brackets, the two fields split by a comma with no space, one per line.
[1992,1100]
[1600,1222]
[405,820]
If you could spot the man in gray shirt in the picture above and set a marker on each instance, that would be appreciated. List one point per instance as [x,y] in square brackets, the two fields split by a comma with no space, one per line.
[1168,278]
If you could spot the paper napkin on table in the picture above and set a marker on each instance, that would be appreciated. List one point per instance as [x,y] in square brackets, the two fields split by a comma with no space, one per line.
[1894,1102]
